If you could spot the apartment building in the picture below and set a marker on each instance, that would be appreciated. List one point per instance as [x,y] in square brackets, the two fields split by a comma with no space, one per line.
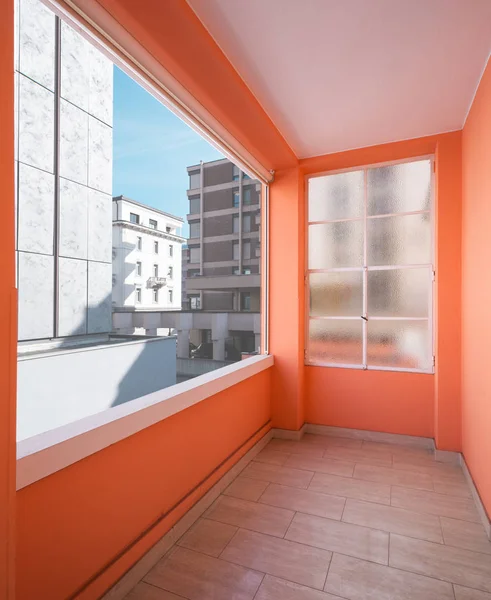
[147,250]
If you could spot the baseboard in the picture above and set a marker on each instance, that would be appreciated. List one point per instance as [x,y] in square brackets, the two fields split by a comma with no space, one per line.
[371,436]
[152,557]
[290,434]
[477,499]
[448,457]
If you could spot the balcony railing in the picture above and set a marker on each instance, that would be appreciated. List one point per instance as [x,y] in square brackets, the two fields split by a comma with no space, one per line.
[156,282]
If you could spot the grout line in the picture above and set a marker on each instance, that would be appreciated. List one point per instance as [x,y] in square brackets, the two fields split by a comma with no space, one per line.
[229,542]
[157,587]
[328,569]
[259,586]
[344,508]
[441,529]
[289,525]
[453,591]
[388,549]
[258,501]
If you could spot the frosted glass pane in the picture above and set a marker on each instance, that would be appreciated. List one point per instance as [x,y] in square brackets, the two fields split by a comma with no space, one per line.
[401,240]
[399,188]
[336,245]
[398,293]
[399,344]
[337,196]
[336,341]
[338,294]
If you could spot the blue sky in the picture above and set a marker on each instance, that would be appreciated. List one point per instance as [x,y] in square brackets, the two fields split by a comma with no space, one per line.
[152,148]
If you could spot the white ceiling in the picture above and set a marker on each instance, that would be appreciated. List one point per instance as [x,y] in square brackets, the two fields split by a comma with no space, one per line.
[341,74]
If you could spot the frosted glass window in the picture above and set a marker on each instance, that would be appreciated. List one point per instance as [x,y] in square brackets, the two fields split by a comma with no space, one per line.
[333,245]
[399,344]
[399,188]
[399,240]
[337,341]
[336,294]
[338,196]
[399,292]
[370,268]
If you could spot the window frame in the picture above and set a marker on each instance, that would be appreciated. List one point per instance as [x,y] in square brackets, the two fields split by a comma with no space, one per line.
[139,242]
[153,223]
[138,268]
[137,221]
[155,247]
[365,268]
[138,295]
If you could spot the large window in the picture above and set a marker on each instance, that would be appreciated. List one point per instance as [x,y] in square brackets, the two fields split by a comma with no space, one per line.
[370,268]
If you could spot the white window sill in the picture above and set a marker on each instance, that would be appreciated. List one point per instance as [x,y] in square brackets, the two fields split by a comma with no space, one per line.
[48,452]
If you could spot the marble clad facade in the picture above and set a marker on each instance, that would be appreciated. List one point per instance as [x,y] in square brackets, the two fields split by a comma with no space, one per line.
[64,106]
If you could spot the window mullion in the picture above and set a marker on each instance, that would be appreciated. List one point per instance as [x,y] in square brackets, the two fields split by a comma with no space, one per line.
[365,270]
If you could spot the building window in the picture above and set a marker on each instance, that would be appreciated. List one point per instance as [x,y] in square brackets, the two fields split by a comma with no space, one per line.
[245,301]
[139,269]
[194,302]
[138,292]
[155,295]
[194,255]
[168,229]
[139,243]
[236,271]
[245,176]
[370,268]
[236,198]
[235,173]
[152,223]
[155,270]
[156,247]
[246,223]
[247,196]
[194,230]
[194,205]
[236,254]
[246,271]
[134,218]
[246,250]
[170,273]
[193,272]
[170,296]
[194,180]
[171,250]
[235,224]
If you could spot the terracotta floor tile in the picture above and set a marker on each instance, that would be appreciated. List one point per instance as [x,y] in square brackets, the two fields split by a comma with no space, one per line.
[402,451]
[246,488]
[282,558]
[462,593]
[465,535]
[250,515]
[278,589]
[351,488]
[321,465]
[435,504]
[466,568]
[144,591]
[208,537]
[361,580]
[358,455]
[272,457]
[393,477]
[452,489]
[199,577]
[276,474]
[332,441]
[291,447]
[336,536]
[430,467]
[306,501]
[393,520]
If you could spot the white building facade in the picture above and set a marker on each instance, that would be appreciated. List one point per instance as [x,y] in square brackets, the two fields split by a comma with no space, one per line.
[147,257]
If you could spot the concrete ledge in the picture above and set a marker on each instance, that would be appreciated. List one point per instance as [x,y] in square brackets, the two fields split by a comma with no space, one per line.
[477,499]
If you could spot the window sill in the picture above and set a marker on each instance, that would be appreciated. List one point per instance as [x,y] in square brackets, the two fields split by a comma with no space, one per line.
[46,453]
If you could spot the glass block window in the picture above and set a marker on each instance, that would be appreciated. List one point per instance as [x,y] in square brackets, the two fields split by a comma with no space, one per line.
[370,268]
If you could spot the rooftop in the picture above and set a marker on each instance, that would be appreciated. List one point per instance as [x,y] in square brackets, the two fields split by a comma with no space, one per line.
[145,206]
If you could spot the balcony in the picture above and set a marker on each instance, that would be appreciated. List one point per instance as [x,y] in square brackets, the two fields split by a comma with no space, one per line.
[156,282]
[223,283]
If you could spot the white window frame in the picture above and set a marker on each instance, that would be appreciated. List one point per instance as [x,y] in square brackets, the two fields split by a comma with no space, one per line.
[153,223]
[138,295]
[364,269]
[155,270]
[138,269]
[171,250]
[155,247]
[139,242]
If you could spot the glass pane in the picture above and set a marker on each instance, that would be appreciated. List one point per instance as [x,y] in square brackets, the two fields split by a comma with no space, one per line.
[336,341]
[338,294]
[399,188]
[398,292]
[402,240]
[336,245]
[337,196]
[399,344]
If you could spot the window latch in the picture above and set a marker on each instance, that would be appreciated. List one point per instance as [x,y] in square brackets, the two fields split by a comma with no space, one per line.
[364,318]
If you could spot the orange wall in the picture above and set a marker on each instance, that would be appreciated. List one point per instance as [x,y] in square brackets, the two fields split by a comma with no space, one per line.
[476,290]
[8,304]
[77,521]
[407,403]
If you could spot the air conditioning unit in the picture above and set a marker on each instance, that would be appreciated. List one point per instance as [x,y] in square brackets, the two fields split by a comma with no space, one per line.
[155,282]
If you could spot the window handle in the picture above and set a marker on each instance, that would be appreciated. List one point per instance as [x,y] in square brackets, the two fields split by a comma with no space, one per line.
[364,318]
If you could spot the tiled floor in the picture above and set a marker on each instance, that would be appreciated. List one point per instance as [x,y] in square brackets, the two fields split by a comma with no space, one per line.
[330,518]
